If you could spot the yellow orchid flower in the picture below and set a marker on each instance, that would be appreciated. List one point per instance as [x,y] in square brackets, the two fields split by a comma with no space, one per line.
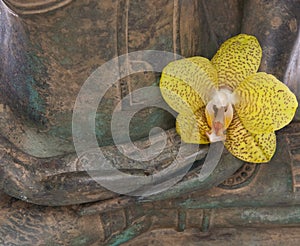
[226,99]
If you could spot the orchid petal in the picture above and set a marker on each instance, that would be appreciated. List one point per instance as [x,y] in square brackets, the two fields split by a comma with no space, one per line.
[237,58]
[193,127]
[187,84]
[255,148]
[265,104]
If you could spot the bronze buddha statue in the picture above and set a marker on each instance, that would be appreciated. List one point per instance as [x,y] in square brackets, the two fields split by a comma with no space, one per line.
[50,48]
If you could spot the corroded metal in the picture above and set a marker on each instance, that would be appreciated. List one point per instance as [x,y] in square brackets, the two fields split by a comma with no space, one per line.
[55,54]
[242,177]
[46,55]
[267,204]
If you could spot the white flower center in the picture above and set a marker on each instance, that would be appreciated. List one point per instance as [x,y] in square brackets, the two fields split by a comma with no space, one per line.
[219,114]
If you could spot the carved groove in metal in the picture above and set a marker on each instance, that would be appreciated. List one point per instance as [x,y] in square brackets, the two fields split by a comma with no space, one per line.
[26,7]
[294,144]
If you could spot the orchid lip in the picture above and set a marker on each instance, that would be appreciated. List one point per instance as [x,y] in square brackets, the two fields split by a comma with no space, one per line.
[219,114]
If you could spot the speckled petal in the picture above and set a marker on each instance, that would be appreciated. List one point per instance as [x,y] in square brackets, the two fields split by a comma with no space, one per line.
[188,84]
[193,127]
[255,148]
[265,104]
[237,58]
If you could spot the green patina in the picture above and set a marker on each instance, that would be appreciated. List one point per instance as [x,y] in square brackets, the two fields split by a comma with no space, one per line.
[181,220]
[36,104]
[128,234]
[82,240]
[102,126]
[227,202]
[206,222]
[279,215]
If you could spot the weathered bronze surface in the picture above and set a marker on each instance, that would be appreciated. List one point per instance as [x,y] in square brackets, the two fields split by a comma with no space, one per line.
[56,53]
[49,48]
[267,208]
